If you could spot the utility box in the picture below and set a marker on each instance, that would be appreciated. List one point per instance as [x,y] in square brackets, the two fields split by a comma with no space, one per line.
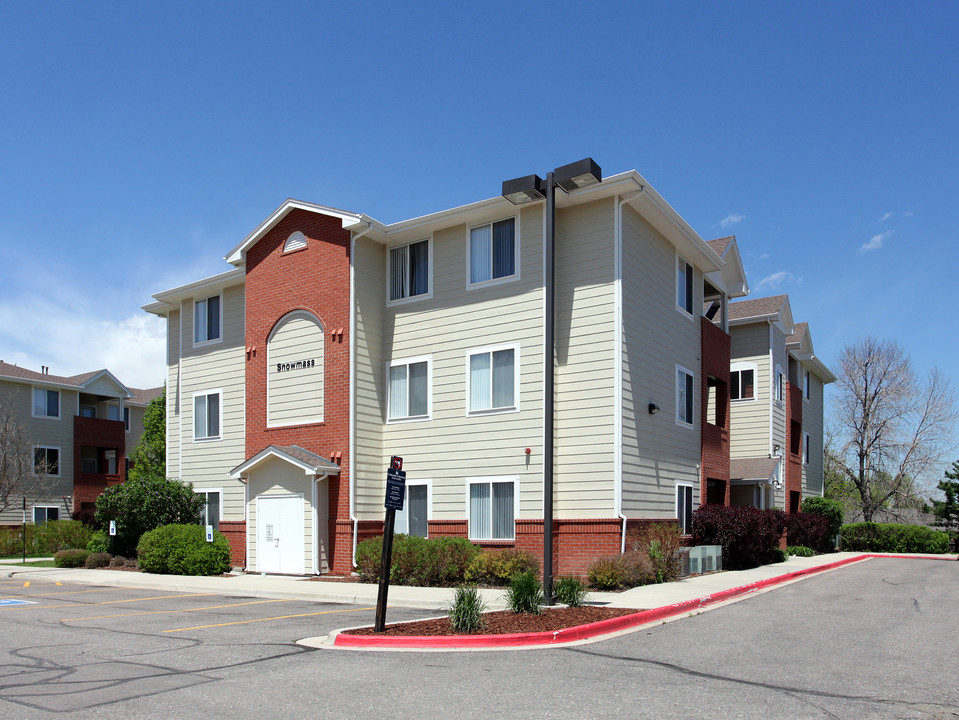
[705,558]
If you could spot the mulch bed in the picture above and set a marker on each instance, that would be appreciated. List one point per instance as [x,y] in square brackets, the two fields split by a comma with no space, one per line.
[503,622]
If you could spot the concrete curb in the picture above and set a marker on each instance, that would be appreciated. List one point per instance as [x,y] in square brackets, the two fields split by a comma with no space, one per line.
[593,631]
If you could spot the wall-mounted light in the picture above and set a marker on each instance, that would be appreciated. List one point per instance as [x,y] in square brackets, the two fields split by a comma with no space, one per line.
[653,408]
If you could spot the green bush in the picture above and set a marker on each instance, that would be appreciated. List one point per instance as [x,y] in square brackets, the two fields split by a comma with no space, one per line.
[498,567]
[142,504]
[525,594]
[800,551]
[183,550]
[661,542]
[97,560]
[570,591]
[892,538]
[11,542]
[466,610]
[70,558]
[56,535]
[632,568]
[749,536]
[829,509]
[779,555]
[435,562]
[99,542]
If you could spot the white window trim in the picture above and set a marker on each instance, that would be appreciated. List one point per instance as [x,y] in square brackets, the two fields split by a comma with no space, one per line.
[691,424]
[692,486]
[203,393]
[516,375]
[206,491]
[429,264]
[33,508]
[214,341]
[516,256]
[429,504]
[739,367]
[428,359]
[779,384]
[59,471]
[316,419]
[487,480]
[33,405]
[692,280]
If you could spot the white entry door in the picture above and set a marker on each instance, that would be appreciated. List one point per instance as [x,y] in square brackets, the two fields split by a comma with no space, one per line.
[280,534]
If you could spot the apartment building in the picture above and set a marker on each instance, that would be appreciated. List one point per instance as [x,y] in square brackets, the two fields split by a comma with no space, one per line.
[80,429]
[776,389]
[335,342]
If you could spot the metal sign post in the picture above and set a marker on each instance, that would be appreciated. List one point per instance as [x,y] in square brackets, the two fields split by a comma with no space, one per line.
[395,493]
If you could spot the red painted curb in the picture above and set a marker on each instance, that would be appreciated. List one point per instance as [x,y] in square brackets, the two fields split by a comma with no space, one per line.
[582,632]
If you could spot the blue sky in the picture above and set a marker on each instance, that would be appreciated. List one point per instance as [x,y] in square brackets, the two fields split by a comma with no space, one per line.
[140,142]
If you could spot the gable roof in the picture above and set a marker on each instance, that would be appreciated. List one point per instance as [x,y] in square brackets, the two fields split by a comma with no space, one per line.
[754,468]
[757,308]
[144,397]
[73,382]
[309,462]
[719,245]
[732,276]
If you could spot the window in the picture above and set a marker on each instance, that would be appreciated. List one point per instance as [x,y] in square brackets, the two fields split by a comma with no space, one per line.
[46,461]
[88,411]
[413,519]
[206,319]
[684,396]
[296,241]
[410,270]
[780,392]
[492,509]
[126,419]
[805,448]
[206,416]
[684,507]
[684,285]
[492,379]
[742,382]
[210,514]
[43,513]
[46,403]
[113,412]
[492,251]
[806,384]
[409,389]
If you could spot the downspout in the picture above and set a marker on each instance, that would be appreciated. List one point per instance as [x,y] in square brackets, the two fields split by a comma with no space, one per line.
[353,519]
[618,362]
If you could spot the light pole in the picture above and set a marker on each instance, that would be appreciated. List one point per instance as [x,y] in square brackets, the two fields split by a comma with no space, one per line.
[520,191]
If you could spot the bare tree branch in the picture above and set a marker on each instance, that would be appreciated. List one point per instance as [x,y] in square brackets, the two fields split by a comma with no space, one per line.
[24,471]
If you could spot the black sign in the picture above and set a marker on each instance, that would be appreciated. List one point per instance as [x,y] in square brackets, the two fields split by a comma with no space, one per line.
[395,489]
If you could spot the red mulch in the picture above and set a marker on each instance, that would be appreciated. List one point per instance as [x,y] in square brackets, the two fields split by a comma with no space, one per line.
[504,622]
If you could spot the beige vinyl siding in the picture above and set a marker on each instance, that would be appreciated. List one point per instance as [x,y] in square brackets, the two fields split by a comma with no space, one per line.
[657,336]
[47,432]
[210,367]
[173,417]
[295,371]
[585,343]
[813,424]
[778,339]
[369,290]
[749,419]
[136,427]
[453,445]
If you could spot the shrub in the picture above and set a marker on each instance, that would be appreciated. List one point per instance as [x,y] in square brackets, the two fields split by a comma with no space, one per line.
[749,536]
[142,504]
[661,542]
[70,558]
[97,560]
[832,511]
[99,542]
[570,591]
[525,594]
[437,562]
[118,561]
[807,529]
[466,610]
[11,540]
[779,555]
[498,567]
[893,538]
[183,550]
[800,551]
[56,535]
[632,568]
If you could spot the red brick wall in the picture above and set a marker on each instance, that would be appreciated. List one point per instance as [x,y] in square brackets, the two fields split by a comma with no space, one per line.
[235,532]
[793,441]
[103,434]
[315,279]
[715,346]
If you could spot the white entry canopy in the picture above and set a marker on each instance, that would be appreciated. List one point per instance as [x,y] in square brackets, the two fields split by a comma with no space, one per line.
[311,463]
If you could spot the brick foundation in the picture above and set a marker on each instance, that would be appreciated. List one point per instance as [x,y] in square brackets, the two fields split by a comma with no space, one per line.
[235,533]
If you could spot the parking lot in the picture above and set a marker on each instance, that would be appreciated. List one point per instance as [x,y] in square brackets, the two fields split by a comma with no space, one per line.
[874,640]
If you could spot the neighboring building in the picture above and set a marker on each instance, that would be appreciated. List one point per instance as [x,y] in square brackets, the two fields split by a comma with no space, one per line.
[337,341]
[776,391]
[80,427]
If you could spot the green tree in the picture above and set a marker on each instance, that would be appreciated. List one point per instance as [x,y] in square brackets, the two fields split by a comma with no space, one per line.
[948,510]
[148,458]
[145,503]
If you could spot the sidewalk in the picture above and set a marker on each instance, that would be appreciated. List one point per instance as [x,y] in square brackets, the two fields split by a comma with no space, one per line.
[299,588]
